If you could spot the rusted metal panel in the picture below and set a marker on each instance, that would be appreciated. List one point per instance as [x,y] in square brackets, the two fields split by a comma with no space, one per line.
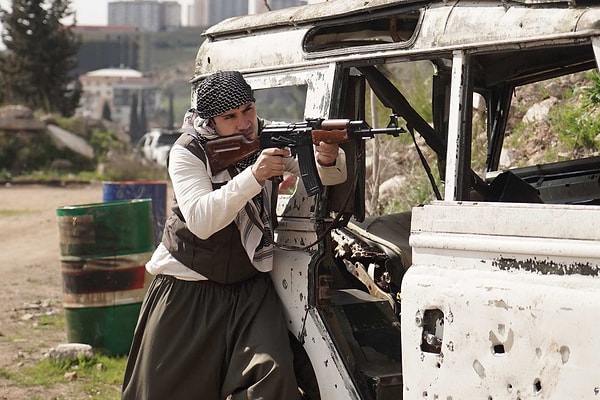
[275,39]
[509,219]
[296,16]
[504,335]
[516,285]
[324,11]
[267,51]
[469,24]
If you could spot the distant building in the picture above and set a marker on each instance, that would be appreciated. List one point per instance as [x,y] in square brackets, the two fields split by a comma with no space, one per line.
[116,87]
[170,15]
[210,12]
[147,15]
[109,47]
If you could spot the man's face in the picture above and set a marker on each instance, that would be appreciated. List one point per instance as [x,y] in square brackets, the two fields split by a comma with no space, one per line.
[241,120]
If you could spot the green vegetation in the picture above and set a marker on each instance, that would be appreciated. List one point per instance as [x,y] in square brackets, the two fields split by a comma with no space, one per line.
[99,377]
[577,121]
[52,321]
[576,128]
[36,69]
[572,129]
[592,93]
[169,56]
[33,156]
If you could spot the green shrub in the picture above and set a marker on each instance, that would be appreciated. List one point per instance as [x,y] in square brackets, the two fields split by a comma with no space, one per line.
[576,127]
[593,93]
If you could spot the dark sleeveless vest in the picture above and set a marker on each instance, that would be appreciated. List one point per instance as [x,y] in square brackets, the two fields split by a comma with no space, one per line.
[220,258]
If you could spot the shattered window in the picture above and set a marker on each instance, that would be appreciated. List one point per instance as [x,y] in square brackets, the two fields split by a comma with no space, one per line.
[389,29]
[281,103]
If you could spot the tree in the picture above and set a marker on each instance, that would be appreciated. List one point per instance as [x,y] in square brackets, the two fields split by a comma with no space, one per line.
[41,53]
[106,113]
[143,122]
[171,117]
[134,124]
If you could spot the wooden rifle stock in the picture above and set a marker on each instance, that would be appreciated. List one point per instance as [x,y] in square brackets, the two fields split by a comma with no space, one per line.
[226,151]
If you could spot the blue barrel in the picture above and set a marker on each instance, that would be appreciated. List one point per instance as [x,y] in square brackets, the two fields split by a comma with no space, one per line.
[131,190]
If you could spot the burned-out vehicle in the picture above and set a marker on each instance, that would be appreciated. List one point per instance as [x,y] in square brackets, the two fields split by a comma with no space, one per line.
[488,291]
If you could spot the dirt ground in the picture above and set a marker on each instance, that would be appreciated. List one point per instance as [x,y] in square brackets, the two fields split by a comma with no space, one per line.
[31,280]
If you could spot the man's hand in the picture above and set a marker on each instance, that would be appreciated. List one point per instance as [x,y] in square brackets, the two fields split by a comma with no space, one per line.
[327,153]
[270,163]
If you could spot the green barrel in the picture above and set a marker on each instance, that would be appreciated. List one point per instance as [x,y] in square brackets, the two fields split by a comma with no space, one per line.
[128,190]
[104,248]
[105,229]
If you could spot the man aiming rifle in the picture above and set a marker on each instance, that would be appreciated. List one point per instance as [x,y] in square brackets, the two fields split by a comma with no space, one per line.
[211,325]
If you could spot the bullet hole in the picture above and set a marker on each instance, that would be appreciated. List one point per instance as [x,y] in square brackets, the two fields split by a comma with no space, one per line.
[432,323]
[499,349]
[565,353]
[479,369]
[537,385]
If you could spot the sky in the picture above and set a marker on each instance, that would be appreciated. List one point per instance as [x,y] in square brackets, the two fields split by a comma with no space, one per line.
[95,12]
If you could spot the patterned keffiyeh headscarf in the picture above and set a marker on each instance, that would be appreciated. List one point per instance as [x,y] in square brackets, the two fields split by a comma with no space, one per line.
[221,92]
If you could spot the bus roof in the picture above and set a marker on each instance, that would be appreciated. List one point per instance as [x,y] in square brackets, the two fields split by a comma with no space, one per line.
[345,30]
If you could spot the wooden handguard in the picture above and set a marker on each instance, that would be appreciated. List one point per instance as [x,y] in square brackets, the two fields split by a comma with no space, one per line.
[330,136]
[332,131]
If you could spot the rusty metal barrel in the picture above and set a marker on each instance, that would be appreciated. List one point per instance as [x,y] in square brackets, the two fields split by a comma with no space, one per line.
[103,251]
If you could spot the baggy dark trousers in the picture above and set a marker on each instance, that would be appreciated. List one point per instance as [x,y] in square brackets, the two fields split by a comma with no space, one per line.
[199,340]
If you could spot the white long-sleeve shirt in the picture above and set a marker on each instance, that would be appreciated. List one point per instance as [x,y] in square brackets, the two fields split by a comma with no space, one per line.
[207,211]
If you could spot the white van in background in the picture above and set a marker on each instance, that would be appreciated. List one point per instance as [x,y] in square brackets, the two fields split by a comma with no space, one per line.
[155,145]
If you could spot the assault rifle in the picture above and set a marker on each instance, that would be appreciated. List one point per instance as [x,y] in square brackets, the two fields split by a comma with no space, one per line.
[299,137]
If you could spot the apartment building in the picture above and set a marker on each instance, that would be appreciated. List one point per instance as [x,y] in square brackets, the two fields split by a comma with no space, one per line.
[209,12]
[147,15]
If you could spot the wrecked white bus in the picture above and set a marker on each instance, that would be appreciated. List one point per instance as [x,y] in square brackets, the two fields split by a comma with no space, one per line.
[488,291]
